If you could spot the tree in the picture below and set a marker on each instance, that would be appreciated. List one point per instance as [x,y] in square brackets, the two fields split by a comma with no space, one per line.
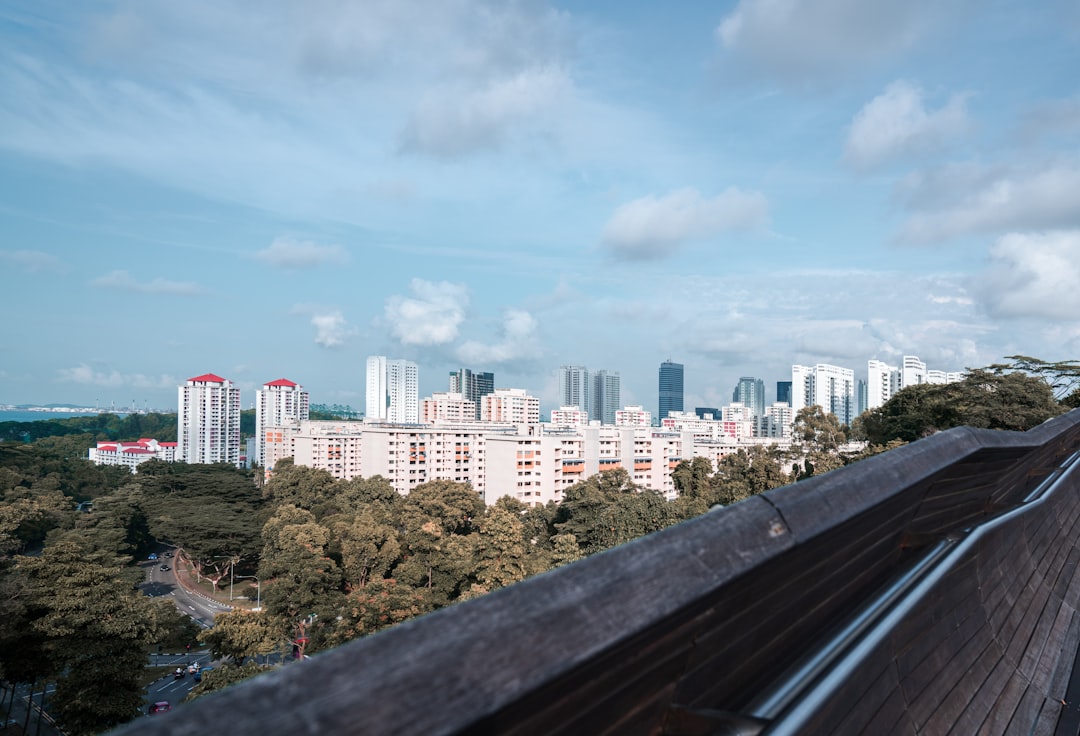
[223,676]
[500,549]
[984,399]
[241,634]
[96,628]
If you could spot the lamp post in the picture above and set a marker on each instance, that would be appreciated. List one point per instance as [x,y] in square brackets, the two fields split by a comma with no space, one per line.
[258,590]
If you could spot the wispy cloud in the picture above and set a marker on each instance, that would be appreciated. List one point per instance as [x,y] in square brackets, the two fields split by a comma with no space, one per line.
[112,378]
[296,254]
[896,123]
[1033,275]
[32,261]
[652,227]
[453,122]
[964,199]
[795,40]
[123,281]
[431,316]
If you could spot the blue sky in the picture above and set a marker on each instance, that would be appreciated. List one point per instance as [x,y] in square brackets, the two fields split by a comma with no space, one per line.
[512,186]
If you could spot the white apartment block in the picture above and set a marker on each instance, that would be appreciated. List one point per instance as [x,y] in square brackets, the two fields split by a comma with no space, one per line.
[633,416]
[510,406]
[569,416]
[884,380]
[276,403]
[447,407]
[131,454]
[775,423]
[208,421]
[828,386]
[708,430]
[392,391]
[534,463]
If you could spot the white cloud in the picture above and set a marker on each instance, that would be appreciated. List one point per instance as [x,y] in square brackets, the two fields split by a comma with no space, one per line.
[896,123]
[652,227]
[123,281]
[32,261]
[431,316]
[453,122]
[293,254]
[964,199]
[797,39]
[1034,275]
[112,378]
[519,341]
[330,329]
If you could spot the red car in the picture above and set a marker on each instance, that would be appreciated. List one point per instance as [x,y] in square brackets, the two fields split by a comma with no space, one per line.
[162,706]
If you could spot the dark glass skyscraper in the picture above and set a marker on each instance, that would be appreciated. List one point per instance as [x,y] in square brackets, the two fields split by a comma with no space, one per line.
[671,388]
[473,386]
[783,392]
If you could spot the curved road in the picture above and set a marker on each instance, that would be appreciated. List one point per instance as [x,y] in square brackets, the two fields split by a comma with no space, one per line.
[160,583]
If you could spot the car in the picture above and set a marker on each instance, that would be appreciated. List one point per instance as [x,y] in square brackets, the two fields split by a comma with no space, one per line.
[179,672]
[199,673]
[165,568]
[162,706]
[153,556]
[168,554]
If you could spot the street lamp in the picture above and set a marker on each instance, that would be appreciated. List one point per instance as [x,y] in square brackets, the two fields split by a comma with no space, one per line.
[258,589]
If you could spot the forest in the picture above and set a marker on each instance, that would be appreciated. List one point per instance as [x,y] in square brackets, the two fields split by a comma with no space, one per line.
[335,559]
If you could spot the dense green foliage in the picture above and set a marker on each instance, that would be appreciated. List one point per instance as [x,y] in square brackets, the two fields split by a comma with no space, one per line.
[100,427]
[985,399]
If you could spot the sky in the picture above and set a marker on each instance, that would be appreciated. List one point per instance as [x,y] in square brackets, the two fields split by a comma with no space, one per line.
[283,189]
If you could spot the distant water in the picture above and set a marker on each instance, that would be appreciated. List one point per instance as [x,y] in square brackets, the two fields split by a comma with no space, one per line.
[37,416]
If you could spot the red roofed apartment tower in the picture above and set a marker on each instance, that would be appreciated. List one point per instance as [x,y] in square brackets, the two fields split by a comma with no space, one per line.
[208,421]
[278,403]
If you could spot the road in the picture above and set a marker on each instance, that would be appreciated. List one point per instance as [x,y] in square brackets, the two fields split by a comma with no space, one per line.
[160,583]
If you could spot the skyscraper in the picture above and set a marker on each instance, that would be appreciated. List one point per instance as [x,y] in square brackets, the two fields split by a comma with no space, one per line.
[393,392]
[783,392]
[473,386]
[828,386]
[605,396]
[574,387]
[750,392]
[671,388]
[277,403]
[208,421]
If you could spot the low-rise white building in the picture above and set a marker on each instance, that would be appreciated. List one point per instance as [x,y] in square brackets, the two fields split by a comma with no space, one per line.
[132,454]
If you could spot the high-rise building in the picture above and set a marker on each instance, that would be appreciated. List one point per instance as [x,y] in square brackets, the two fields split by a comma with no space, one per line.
[912,372]
[208,421]
[671,388]
[574,387]
[393,392]
[605,396]
[828,386]
[783,392]
[750,392]
[474,386]
[882,381]
[277,403]
[707,412]
[449,407]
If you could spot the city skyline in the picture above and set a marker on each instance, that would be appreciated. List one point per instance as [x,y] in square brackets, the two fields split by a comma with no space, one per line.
[742,186]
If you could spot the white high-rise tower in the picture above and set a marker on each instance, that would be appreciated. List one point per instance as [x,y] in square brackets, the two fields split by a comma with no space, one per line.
[393,390]
[208,421]
[277,403]
[828,386]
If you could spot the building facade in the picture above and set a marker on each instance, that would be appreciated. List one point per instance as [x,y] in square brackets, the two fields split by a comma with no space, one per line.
[750,392]
[208,421]
[828,386]
[670,388]
[449,407]
[574,387]
[472,385]
[605,398]
[276,403]
[510,406]
[131,454]
[392,390]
